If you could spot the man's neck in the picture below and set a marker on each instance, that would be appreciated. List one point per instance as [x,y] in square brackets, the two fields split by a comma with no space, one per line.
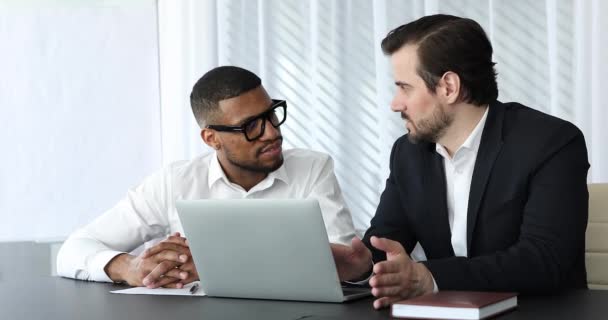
[247,179]
[466,118]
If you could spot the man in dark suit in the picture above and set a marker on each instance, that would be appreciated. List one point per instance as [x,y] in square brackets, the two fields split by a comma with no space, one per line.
[494,193]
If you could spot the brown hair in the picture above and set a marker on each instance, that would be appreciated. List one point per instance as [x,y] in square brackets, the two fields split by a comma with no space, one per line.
[450,43]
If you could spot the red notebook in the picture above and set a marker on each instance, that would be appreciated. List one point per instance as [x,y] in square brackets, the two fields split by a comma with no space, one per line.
[455,305]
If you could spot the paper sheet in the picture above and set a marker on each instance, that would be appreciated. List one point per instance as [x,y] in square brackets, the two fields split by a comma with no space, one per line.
[185,291]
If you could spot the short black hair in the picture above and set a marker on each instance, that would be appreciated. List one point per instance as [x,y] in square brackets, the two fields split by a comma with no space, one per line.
[450,43]
[218,84]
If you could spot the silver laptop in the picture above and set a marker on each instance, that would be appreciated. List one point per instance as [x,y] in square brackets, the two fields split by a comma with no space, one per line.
[263,249]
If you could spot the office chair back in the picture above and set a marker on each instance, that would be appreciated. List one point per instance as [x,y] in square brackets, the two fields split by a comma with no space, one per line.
[596,251]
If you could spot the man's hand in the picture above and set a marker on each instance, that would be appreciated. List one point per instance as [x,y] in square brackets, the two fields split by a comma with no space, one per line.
[398,277]
[184,272]
[352,262]
[166,264]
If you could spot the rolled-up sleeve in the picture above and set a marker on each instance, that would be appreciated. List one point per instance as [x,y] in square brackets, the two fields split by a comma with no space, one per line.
[337,216]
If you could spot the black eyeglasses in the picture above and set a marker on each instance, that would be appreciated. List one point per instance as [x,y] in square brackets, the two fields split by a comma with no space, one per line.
[254,127]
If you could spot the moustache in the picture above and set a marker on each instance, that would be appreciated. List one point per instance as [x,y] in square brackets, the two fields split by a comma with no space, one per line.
[404,116]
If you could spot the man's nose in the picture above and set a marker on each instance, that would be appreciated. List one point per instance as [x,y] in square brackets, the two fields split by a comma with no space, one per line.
[397,105]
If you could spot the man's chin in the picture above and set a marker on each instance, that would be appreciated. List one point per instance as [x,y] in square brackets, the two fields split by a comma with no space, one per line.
[418,138]
[275,165]
[267,166]
[412,135]
[426,138]
[261,166]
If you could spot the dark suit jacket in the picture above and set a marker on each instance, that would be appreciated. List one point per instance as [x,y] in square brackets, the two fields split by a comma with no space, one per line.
[527,211]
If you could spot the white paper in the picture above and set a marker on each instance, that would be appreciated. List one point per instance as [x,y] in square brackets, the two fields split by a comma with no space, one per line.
[185,291]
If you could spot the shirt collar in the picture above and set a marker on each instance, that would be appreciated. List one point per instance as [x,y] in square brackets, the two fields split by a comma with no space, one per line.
[216,173]
[280,173]
[472,142]
[474,139]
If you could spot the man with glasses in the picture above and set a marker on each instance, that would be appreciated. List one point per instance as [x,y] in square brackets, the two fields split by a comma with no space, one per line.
[242,124]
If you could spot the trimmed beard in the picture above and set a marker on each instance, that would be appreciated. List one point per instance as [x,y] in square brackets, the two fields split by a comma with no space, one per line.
[253,166]
[432,128]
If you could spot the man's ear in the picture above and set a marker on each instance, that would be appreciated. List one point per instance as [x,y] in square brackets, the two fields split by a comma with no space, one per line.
[210,138]
[449,87]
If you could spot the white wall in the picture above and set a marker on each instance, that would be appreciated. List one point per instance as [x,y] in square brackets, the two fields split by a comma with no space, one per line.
[79,111]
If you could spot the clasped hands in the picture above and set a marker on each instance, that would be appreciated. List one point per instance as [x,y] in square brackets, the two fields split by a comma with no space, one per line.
[167,264]
[396,278]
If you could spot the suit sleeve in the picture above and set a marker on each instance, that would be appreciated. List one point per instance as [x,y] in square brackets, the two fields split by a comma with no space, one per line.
[390,218]
[552,234]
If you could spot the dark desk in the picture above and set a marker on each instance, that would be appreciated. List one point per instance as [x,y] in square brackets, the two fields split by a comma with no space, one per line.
[56,298]
[50,298]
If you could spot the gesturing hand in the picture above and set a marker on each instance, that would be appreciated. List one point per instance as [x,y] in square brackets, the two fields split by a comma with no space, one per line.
[398,277]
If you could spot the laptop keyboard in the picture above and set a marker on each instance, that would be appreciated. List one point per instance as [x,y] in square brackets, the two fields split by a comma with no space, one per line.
[349,291]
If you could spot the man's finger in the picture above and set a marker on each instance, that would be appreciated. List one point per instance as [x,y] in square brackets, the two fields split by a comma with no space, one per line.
[385,280]
[177,273]
[176,238]
[169,255]
[153,279]
[192,272]
[190,279]
[392,248]
[174,285]
[164,281]
[386,266]
[189,266]
[386,291]
[161,246]
[166,255]
[166,245]
[385,301]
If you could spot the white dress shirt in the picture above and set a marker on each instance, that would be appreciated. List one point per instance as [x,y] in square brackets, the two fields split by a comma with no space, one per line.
[148,211]
[458,175]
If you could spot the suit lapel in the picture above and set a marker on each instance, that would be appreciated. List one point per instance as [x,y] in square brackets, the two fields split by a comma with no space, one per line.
[435,193]
[489,148]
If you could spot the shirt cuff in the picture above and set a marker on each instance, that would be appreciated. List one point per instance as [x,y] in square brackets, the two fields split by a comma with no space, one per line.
[98,263]
[435,288]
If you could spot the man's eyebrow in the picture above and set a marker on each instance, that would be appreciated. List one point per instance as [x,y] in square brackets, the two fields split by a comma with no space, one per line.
[242,122]
[402,84]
